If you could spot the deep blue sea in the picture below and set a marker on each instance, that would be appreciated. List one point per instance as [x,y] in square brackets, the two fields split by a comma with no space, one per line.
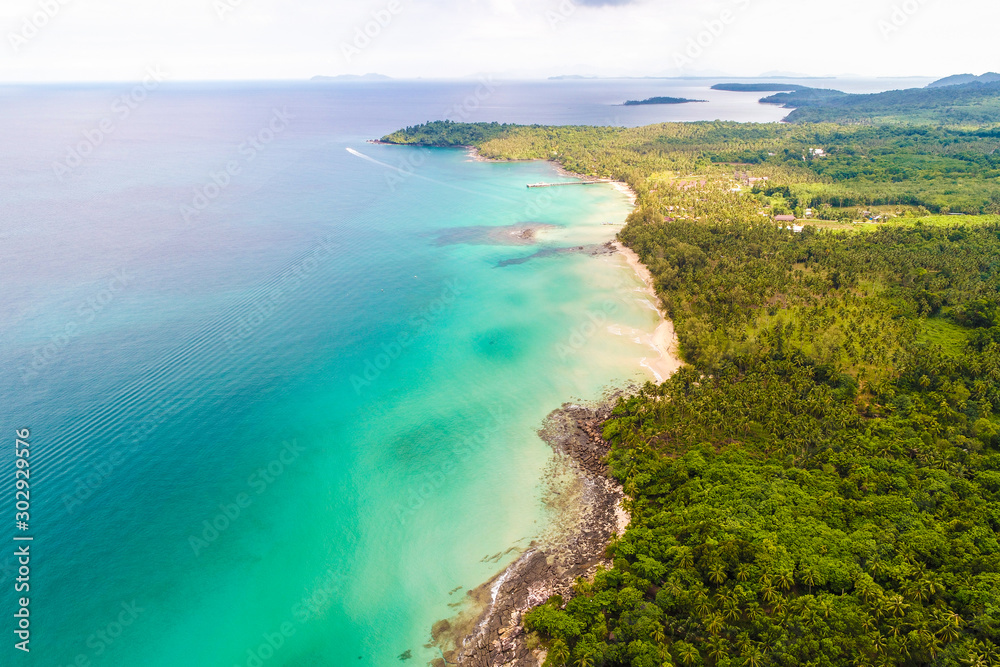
[282,396]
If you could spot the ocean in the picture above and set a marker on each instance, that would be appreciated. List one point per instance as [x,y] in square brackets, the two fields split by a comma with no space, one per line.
[283,386]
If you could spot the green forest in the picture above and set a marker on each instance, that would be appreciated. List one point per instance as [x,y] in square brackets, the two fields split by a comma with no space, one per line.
[972,103]
[820,484]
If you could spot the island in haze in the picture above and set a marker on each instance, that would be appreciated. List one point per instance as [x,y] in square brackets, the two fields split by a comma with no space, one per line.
[757,87]
[661,100]
[353,77]
[961,79]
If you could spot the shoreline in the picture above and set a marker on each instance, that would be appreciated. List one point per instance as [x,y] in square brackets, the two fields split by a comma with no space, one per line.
[622,187]
[663,339]
[587,507]
[489,632]
[587,501]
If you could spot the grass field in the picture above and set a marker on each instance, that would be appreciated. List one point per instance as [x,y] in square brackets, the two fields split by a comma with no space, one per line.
[942,332]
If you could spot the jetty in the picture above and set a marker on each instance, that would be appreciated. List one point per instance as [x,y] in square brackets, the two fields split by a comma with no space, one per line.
[552,185]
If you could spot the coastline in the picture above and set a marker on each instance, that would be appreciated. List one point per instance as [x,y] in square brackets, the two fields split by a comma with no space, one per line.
[663,339]
[588,511]
[587,503]
[621,186]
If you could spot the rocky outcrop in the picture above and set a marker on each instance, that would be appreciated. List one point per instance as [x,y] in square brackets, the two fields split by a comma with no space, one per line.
[551,566]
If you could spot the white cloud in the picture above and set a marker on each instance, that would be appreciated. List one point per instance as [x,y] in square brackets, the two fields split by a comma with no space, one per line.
[116,39]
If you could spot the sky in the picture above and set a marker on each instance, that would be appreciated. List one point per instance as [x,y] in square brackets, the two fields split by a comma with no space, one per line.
[120,40]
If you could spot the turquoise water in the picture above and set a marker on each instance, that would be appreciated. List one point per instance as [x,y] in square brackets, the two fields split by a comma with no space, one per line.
[300,424]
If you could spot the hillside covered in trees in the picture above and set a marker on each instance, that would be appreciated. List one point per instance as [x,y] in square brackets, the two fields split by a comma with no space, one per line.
[975,102]
[820,485]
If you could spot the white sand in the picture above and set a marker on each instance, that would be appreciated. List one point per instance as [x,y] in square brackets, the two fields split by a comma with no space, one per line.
[663,340]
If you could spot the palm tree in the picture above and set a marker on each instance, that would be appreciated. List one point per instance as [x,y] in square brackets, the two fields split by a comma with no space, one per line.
[585,660]
[715,624]
[780,606]
[753,658]
[879,643]
[717,574]
[688,653]
[674,588]
[896,605]
[702,606]
[950,631]
[718,648]
[867,622]
[559,652]
[731,609]
[809,576]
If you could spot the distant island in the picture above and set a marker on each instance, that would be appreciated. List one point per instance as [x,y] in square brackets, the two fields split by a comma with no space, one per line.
[962,98]
[661,100]
[353,77]
[962,79]
[757,87]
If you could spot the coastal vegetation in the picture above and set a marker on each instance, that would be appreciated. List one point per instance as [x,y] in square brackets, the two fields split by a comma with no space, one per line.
[973,103]
[959,79]
[963,99]
[820,484]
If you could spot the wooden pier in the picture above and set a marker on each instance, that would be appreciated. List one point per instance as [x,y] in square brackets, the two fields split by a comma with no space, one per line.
[552,185]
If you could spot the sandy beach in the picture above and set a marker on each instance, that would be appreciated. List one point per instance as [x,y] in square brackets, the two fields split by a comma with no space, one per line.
[667,360]
[585,498]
